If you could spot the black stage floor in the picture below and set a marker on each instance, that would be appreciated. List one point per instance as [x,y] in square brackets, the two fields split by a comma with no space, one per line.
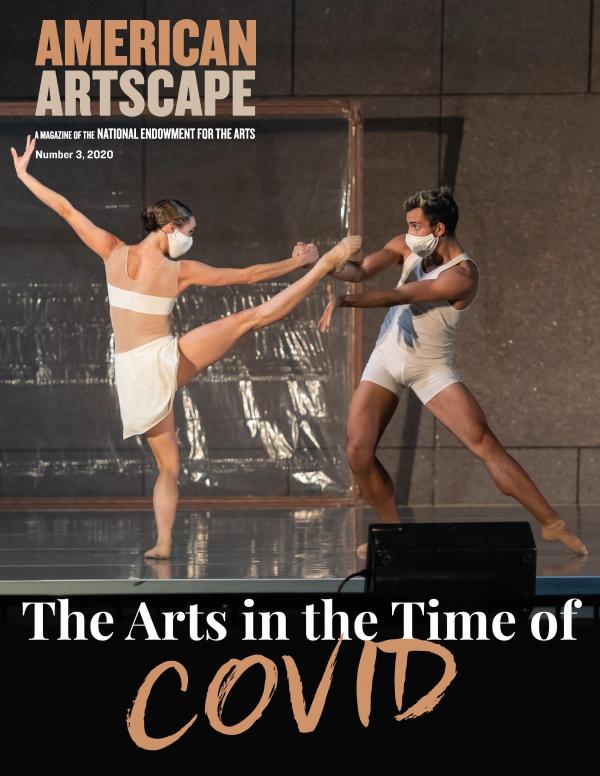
[229,551]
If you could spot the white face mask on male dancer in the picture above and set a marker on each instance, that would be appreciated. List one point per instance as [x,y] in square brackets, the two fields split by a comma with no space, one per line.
[422,245]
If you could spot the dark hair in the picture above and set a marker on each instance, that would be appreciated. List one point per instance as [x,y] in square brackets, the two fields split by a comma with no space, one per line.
[437,205]
[165,211]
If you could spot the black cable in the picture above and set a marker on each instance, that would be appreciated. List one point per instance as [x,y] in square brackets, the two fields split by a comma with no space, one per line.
[362,573]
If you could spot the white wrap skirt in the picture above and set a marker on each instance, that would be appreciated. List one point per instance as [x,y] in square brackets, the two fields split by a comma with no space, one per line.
[146,380]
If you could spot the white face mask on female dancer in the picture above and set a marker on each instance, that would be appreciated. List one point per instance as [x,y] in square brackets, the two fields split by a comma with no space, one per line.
[179,243]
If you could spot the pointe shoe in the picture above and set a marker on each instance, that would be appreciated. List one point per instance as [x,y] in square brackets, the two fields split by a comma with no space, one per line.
[558,532]
[340,253]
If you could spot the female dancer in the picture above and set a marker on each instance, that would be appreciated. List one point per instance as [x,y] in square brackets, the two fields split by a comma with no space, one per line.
[144,281]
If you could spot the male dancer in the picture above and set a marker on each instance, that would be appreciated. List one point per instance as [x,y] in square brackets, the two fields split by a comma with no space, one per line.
[415,350]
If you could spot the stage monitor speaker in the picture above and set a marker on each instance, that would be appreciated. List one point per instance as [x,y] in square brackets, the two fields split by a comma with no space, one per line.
[452,561]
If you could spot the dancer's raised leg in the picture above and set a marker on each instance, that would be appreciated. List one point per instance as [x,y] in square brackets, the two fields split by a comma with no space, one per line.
[206,344]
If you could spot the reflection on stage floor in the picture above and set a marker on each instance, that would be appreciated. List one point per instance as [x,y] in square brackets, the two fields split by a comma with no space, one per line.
[224,550]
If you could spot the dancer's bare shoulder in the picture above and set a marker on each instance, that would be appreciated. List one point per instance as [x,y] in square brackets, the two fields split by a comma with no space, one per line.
[467,270]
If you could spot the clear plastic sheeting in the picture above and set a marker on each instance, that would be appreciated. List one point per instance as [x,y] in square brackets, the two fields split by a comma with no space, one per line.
[43,343]
[270,413]
[268,419]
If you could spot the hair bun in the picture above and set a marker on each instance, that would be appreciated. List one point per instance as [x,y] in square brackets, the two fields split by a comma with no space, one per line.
[149,219]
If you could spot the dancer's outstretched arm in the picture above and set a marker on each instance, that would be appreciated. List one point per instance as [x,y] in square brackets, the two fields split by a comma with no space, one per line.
[98,240]
[356,271]
[200,274]
[455,284]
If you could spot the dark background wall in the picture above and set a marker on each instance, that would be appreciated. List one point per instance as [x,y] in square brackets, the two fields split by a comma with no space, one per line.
[500,98]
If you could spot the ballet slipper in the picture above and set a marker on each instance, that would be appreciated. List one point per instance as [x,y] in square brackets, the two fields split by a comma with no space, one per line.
[335,259]
[558,532]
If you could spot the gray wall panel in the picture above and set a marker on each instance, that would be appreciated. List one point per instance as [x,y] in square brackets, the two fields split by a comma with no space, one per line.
[516,46]
[595,52]
[273,34]
[463,479]
[20,32]
[589,476]
[358,47]
[530,347]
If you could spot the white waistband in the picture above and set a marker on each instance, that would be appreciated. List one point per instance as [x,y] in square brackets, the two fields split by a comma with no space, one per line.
[154,344]
[140,303]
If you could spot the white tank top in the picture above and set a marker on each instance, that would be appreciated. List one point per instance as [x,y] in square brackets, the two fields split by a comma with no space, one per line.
[426,329]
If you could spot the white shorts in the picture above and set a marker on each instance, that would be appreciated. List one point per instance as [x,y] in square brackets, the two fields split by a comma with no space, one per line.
[146,379]
[394,373]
